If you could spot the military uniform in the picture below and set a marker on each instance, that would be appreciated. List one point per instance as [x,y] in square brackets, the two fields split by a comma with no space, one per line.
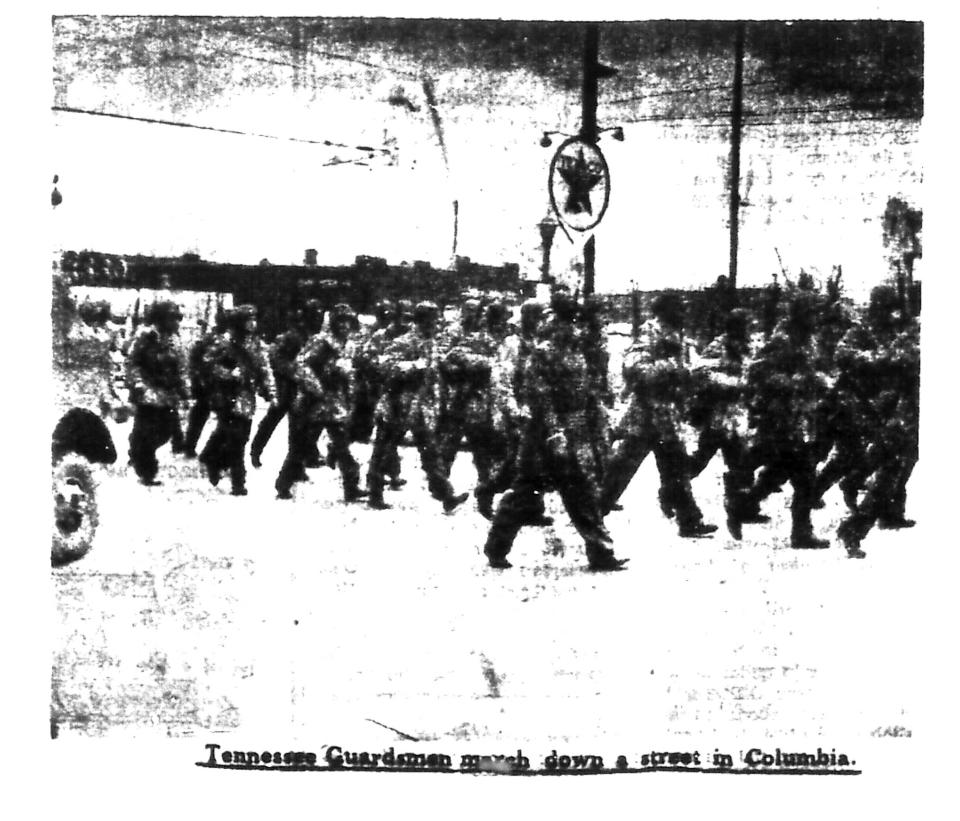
[324,372]
[654,373]
[157,386]
[724,425]
[786,394]
[200,387]
[410,402]
[283,357]
[370,405]
[891,367]
[239,370]
[554,451]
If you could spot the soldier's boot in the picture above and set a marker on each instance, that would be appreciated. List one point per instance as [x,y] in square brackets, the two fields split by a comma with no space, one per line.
[690,519]
[285,481]
[600,556]
[214,472]
[850,494]
[696,530]
[734,526]
[484,503]
[802,538]
[850,539]
[666,505]
[238,480]
[354,493]
[451,503]
[895,523]
[375,495]
[396,483]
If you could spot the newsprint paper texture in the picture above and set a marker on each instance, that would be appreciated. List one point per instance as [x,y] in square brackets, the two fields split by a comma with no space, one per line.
[361,329]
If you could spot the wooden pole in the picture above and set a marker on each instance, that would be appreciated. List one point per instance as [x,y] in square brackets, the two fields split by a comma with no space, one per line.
[736,126]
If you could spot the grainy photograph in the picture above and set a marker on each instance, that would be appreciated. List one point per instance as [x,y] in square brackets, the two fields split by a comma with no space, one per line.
[488,396]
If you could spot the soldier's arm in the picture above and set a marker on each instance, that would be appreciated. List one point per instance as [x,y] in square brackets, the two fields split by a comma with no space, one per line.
[305,374]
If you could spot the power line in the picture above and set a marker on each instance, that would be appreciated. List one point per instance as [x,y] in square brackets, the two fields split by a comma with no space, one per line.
[699,90]
[154,121]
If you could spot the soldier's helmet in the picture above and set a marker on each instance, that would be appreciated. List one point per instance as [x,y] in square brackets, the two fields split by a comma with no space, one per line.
[531,314]
[593,313]
[425,312]
[883,310]
[384,311]
[312,316]
[737,325]
[802,314]
[471,312]
[497,315]
[163,312]
[239,319]
[404,310]
[564,306]
[669,308]
[343,315]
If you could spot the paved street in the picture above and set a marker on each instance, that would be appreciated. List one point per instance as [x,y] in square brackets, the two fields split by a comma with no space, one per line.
[198,612]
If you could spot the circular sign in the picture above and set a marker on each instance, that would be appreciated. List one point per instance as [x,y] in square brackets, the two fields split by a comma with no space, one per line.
[579,184]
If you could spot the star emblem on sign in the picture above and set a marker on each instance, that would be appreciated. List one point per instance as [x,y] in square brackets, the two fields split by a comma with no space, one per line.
[579,184]
[580,180]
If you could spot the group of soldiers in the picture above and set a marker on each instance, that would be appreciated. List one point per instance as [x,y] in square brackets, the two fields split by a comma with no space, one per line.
[807,390]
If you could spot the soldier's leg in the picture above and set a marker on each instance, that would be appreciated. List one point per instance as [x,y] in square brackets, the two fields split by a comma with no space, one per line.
[177,440]
[708,442]
[433,465]
[512,511]
[349,469]
[215,455]
[299,439]
[237,430]
[488,448]
[854,529]
[769,457]
[802,473]
[737,480]
[580,498]
[451,427]
[677,493]
[267,426]
[389,432]
[902,458]
[391,467]
[196,419]
[624,463]
[147,435]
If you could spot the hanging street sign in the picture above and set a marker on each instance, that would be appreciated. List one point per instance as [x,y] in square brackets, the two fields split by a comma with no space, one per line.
[579,184]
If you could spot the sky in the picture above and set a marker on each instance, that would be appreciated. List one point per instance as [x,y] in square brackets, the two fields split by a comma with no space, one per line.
[241,139]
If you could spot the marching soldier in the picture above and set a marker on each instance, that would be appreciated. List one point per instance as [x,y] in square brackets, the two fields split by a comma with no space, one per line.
[888,362]
[411,394]
[554,451]
[786,394]
[369,381]
[654,373]
[324,372]
[464,374]
[200,383]
[724,427]
[157,386]
[239,370]
[283,358]
[599,394]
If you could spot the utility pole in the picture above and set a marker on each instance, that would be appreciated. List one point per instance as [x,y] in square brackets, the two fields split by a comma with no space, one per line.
[736,126]
[588,133]
[592,72]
